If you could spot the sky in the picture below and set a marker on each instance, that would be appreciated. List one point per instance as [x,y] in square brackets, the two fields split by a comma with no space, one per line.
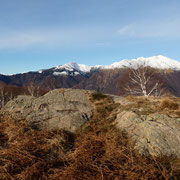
[39,34]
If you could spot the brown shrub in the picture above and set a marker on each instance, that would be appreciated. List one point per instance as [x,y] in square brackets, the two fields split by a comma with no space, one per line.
[96,96]
[110,156]
[178,113]
[29,154]
[169,104]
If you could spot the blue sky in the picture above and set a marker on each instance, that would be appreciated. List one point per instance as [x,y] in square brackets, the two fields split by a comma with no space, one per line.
[40,34]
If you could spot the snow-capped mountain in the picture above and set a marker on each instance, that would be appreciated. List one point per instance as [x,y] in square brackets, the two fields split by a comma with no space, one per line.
[159,62]
[74,66]
[73,75]
[71,68]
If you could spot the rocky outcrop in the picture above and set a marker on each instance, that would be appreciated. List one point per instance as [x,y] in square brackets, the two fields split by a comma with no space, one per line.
[155,134]
[65,109]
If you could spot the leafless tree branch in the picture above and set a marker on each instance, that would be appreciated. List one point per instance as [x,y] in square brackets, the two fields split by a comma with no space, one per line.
[142,81]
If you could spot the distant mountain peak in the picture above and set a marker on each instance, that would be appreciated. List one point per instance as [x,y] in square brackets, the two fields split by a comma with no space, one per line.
[73,66]
[158,62]
[69,66]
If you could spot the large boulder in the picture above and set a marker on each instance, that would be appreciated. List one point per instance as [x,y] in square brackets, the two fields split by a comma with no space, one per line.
[155,134]
[66,109]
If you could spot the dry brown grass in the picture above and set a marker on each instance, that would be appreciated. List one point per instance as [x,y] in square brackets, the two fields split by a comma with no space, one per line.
[110,157]
[140,105]
[29,154]
[169,104]
[103,152]
[99,151]
[98,96]
[148,105]
[178,113]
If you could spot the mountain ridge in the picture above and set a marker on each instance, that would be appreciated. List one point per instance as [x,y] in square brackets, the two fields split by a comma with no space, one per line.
[106,79]
[159,62]
[73,68]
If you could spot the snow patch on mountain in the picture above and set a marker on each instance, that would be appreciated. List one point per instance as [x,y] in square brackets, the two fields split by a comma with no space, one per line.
[60,73]
[121,64]
[73,66]
[159,62]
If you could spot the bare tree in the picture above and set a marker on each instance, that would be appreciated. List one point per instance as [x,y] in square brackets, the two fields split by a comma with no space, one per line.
[33,89]
[3,95]
[143,81]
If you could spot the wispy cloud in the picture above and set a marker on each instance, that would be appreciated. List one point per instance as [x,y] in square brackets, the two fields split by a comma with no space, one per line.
[72,37]
[166,28]
[57,37]
[127,29]
[19,40]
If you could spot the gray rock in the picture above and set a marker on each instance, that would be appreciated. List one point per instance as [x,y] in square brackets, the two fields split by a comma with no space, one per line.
[154,134]
[68,109]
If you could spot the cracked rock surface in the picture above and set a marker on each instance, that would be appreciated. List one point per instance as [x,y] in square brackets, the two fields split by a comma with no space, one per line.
[65,109]
[155,134]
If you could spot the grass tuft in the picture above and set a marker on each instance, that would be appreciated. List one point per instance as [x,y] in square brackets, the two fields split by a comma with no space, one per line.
[98,96]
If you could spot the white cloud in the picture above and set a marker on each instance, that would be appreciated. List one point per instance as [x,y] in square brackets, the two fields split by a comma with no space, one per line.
[19,40]
[166,28]
[57,37]
[127,29]
[72,37]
